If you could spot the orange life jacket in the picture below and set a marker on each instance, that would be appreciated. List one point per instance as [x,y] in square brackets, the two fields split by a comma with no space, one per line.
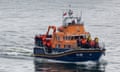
[83,41]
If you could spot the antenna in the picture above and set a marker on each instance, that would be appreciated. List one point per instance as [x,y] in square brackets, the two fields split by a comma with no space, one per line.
[69,5]
[81,13]
[70,12]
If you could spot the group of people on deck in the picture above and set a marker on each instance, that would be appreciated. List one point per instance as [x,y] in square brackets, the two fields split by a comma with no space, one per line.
[87,42]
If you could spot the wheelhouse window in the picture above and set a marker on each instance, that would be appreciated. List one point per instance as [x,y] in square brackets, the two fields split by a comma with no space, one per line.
[67,46]
[71,20]
[67,37]
[77,37]
[57,38]
[73,37]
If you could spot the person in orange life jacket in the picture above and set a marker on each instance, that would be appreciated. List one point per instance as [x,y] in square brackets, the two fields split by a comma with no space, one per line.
[83,42]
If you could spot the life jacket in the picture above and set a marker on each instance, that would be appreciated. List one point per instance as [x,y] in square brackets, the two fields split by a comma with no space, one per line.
[83,41]
[48,44]
[43,39]
[92,43]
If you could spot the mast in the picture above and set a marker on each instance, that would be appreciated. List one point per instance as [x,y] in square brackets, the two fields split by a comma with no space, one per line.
[68,17]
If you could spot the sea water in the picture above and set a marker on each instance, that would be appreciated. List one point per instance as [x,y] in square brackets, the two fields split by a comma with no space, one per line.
[21,20]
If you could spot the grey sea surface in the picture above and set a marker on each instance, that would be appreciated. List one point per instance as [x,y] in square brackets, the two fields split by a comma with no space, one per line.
[21,20]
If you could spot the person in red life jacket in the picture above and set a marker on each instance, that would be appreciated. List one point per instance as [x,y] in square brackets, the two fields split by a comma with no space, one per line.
[48,46]
[43,37]
[92,43]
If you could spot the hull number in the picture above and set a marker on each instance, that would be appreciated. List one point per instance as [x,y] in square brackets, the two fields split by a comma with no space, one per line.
[82,54]
[79,54]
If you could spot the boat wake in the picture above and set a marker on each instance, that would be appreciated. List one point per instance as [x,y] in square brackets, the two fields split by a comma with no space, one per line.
[16,53]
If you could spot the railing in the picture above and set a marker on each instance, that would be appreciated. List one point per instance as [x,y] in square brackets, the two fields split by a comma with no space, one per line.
[102,45]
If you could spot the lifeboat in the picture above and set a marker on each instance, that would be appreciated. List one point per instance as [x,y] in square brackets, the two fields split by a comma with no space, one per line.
[69,42]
